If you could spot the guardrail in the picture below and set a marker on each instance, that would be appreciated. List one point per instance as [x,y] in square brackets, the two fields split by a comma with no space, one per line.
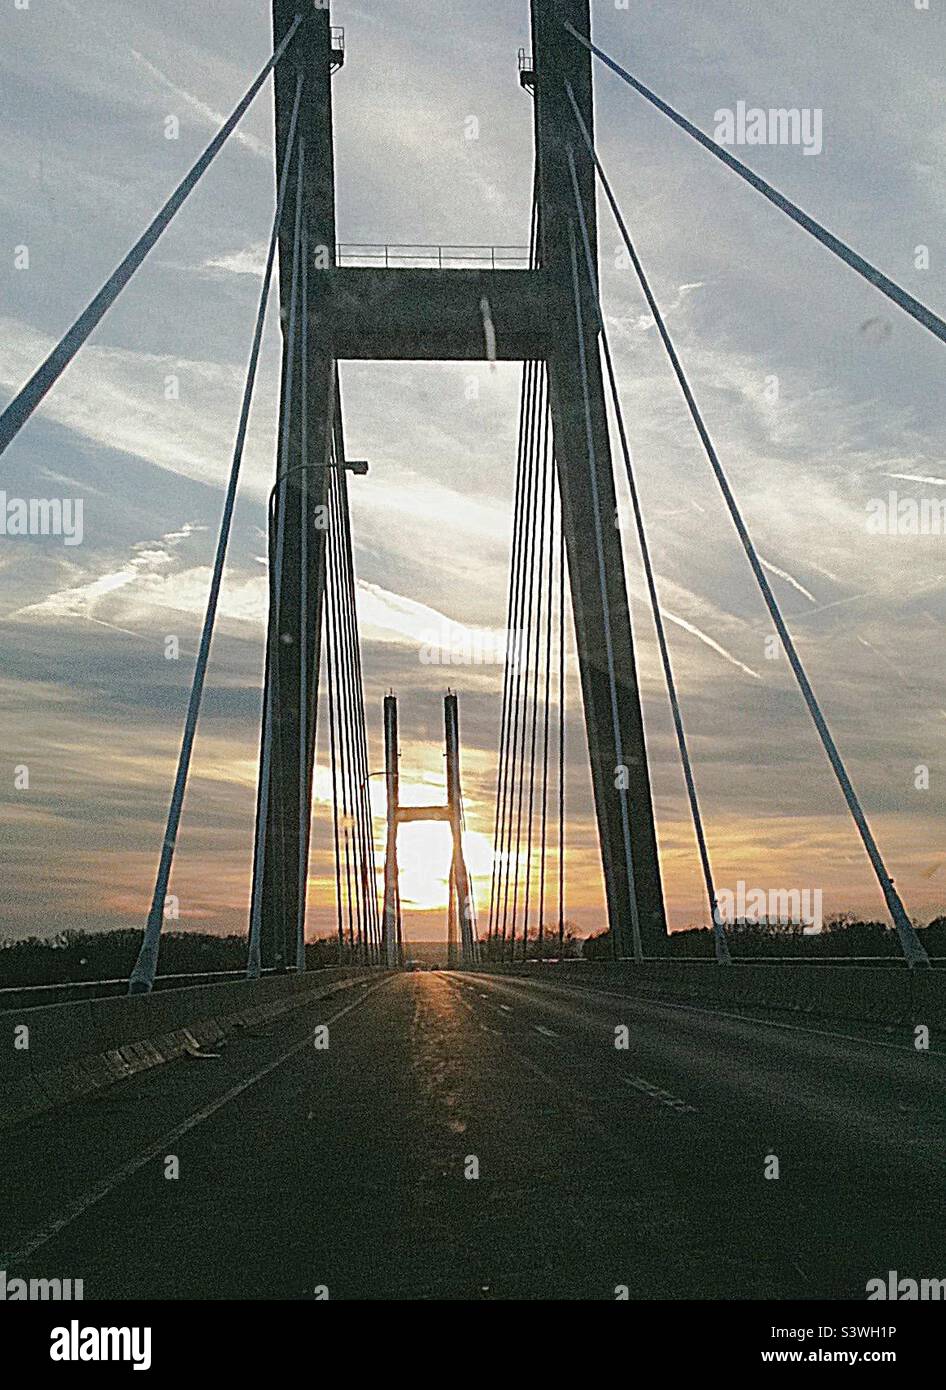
[65,991]
[20,996]
[418,256]
[896,962]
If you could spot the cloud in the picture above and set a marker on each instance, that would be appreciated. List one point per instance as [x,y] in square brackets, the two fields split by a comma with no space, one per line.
[117,399]
[250,261]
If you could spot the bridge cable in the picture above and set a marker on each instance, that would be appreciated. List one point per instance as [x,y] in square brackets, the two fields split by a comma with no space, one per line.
[562,694]
[538,400]
[912,948]
[519,552]
[340,687]
[364,801]
[349,708]
[505,717]
[514,649]
[511,619]
[508,723]
[544,480]
[508,729]
[546,711]
[888,287]
[334,754]
[359,765]
[45,377]
[719,936]
[145,969]
[305,791]
[352,822]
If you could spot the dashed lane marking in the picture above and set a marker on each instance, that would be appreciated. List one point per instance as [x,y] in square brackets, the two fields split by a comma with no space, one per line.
[566,989]
[662,1097]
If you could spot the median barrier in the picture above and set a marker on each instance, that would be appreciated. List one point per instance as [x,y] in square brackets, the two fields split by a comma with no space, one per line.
[58,1053]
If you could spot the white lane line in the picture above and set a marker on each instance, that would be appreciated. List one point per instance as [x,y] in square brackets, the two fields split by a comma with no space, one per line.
[639,1083]
[9,1259]
[662,1097]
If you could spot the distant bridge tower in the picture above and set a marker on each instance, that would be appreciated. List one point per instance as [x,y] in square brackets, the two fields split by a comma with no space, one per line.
[461,892]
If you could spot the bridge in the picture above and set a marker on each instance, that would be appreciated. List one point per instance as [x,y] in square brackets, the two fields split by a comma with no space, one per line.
[521,1126]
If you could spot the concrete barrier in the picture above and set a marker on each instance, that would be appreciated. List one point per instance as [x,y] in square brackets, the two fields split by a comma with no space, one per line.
[59,1053]
[888,995]
[928,998]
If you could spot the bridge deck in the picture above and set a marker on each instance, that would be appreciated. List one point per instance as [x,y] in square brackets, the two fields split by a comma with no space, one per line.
[597,1167]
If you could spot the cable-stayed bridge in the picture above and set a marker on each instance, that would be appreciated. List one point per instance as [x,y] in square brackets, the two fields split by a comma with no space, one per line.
[490,1092]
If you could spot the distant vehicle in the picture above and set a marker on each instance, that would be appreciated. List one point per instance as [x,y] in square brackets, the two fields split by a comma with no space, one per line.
[416,965]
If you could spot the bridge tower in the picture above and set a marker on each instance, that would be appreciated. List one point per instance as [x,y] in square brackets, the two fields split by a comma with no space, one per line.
[460,900]
[380,314]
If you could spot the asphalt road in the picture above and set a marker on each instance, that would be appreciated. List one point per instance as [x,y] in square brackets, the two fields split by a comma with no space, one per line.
[351,1168]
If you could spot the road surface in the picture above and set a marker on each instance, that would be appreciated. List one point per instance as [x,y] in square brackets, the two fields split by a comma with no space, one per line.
[482,1137]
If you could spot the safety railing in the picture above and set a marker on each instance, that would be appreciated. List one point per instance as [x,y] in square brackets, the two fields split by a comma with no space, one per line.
[406,256]
[67,991]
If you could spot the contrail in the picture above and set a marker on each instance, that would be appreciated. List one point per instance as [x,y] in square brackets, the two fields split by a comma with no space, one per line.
[100,622]
[917,478]
[714,646]
[821,570]
[207,113]
[782,574]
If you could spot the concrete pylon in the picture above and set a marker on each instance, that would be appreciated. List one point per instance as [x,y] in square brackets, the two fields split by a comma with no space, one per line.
[547,313]
[465,909]
[392,899]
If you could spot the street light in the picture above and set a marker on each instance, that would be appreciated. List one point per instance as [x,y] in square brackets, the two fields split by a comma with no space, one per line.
[357,466]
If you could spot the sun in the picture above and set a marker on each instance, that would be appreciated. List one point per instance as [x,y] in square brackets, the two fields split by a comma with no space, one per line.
[424,855]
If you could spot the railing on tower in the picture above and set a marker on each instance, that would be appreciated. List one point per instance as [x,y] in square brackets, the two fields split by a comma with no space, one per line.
[407,256]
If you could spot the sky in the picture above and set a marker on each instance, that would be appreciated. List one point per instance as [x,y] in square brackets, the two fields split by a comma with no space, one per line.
[822,397]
